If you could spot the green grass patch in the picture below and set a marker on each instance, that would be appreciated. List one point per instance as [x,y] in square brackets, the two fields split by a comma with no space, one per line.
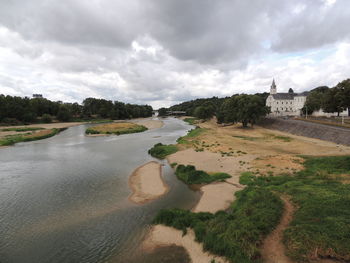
[236,234]
[12,139]
[24,129]
[187,139]
[191,121]
[283,138]
[189,175]
[321,224]
[160,150]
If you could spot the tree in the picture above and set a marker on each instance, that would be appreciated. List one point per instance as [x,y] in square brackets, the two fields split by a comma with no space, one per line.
[46,118]
[315,100]
[162,112]
[64,114]
[333,101]
[344,88]
[247,109]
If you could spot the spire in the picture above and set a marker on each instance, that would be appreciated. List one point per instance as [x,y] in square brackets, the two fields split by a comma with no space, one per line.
[273,89]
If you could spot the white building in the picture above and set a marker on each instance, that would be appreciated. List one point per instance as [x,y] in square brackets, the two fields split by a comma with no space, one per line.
[285,104]
[291,104]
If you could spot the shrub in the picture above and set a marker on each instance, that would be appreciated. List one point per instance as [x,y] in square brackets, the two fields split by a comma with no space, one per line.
[46,118]
[160,150]
[189,175]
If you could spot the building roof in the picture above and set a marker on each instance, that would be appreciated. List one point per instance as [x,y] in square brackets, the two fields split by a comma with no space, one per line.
[289,95]
[283,96]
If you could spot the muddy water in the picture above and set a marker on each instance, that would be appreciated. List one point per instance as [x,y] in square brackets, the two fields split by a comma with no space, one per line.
[65,199]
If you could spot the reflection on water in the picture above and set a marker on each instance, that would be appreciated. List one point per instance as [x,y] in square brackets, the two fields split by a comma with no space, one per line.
[65,199]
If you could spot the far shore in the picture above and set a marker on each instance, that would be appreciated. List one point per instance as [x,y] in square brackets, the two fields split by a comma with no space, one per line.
[147,183]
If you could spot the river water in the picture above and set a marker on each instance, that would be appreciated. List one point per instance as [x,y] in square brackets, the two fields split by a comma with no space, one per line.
[65,199]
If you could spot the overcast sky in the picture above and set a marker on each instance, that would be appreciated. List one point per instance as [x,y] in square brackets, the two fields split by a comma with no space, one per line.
[162,52]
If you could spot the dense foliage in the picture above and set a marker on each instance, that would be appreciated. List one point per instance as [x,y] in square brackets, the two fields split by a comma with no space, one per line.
[243,108]
[160,150]
[16,110]
[189,175]
[236,234]
[336,99]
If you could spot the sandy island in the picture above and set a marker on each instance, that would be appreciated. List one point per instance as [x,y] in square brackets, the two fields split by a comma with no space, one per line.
[147,183]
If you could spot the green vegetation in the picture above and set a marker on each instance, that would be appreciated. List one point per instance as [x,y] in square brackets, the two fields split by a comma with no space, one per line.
[191,121]
[335,99]
[12,139]
[22,129]
[116,128]
[283,138]
[320,226]
[18,110]
[236,234]
[189,175]
[160,150]
[247,109]
[191,134]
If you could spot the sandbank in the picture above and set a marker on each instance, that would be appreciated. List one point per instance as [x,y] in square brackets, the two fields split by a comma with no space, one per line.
[149,123]
[147,184]
[160,235]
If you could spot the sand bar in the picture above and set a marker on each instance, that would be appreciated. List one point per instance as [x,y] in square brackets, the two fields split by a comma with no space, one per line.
[149,123]
[160,235]
[147,184]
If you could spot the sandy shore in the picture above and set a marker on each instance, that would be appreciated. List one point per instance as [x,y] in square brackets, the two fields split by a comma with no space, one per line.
[149,123]
[164,236]
[147,183]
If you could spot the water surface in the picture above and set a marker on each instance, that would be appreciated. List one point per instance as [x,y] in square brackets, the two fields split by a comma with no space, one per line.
[65,199]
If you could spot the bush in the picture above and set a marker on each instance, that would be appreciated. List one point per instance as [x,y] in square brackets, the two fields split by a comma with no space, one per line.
[237,234]
[189,175]
[46,118]
[160,150]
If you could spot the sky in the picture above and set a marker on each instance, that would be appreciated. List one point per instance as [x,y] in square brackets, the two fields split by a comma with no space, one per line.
[162,52]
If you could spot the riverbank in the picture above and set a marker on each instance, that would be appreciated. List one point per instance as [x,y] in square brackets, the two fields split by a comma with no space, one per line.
[234,150]
[147,183]
[159,235]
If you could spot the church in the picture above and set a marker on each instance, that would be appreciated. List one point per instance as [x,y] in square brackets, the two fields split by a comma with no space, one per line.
[285,104]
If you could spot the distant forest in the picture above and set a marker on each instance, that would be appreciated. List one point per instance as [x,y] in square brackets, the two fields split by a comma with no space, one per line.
[17,110]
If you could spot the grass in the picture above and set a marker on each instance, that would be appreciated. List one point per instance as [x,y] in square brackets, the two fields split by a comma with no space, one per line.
[160,150]
[187,139]
[320,227]
[191,121]
[22,129]
[236,234]
[189,175]
[116,128]
[12,139]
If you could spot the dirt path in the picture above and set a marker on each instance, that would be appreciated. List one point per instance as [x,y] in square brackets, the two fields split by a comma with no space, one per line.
[273,250]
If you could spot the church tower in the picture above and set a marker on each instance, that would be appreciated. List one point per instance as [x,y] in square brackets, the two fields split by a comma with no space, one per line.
[273,89]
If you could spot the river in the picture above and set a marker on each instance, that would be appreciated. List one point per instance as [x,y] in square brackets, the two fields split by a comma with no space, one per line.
[65,199]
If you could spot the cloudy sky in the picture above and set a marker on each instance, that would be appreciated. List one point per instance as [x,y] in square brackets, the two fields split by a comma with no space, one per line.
[161,52]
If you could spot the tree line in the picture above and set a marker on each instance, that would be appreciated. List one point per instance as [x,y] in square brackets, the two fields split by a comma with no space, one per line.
[336,99]
[243,108]
[14,109]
